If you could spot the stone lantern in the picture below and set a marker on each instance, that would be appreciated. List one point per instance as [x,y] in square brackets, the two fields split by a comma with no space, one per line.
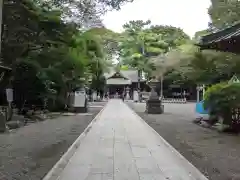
[154,104]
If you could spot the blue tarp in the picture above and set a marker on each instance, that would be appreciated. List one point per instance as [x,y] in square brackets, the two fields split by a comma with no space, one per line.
[200,109]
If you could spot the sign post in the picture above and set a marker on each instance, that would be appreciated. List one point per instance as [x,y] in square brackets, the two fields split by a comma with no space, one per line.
[80,101]
[9,94]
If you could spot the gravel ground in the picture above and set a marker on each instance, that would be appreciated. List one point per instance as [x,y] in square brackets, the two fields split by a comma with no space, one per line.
[216,155]
[30,152]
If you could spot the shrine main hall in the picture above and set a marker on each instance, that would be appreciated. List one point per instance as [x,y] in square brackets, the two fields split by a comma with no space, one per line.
[122,80]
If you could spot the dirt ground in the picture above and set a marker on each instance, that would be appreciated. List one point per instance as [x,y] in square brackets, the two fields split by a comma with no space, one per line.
[216,155]
[30,152]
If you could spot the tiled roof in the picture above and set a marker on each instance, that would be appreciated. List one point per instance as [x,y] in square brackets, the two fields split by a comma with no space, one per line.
[128,74]
[120,81]
[226,35]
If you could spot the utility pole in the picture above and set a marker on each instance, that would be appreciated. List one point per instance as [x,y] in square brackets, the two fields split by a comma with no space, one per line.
[161,91]
[139,72]
[97,78]
[162,66]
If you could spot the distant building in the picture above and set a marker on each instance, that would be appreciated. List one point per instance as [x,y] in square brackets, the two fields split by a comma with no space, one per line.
[118,81]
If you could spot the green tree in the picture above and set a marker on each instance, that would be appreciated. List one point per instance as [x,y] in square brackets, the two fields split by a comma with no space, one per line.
[224,13]
[141,42]
[50,54]
[199,34]
[203,67]
[208,66]
[172,35]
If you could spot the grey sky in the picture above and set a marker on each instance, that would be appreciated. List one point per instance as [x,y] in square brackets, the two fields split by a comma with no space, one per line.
[190,15]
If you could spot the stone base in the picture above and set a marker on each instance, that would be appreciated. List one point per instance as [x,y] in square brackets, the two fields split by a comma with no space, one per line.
[81,109]
[154,106]
[78,109]
[3,126]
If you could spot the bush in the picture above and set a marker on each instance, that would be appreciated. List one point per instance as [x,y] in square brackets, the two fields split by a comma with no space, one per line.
[222,99]
[212,98]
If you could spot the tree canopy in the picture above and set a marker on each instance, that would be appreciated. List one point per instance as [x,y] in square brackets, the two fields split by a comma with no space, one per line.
[55,46]
[208,66]
[141,41]
[224,13]
[50,48]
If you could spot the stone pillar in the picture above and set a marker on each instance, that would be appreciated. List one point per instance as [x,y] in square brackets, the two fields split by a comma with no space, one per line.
[199,89]
[198,93]
[127,93]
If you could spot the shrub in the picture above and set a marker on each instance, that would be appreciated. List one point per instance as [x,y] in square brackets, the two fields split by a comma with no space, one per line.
[221,99]
[212,97]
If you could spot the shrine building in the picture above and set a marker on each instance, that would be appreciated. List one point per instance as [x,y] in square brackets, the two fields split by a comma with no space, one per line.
[118,81]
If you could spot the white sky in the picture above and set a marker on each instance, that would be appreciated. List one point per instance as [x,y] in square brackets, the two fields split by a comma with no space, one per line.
[190,15]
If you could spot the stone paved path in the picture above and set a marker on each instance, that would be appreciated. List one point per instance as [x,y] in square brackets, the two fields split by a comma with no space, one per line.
[121,146]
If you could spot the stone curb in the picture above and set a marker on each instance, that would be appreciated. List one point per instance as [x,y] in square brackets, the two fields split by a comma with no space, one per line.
[192,170]
[55,172]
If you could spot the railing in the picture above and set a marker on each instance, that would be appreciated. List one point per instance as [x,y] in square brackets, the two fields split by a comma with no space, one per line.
[174,100]
[145,96]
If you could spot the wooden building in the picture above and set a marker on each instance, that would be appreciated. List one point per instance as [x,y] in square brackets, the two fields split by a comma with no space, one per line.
[118,81]
[227,40]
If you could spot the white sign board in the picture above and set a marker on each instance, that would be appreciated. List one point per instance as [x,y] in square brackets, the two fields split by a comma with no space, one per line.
[9,94]
[79,99]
